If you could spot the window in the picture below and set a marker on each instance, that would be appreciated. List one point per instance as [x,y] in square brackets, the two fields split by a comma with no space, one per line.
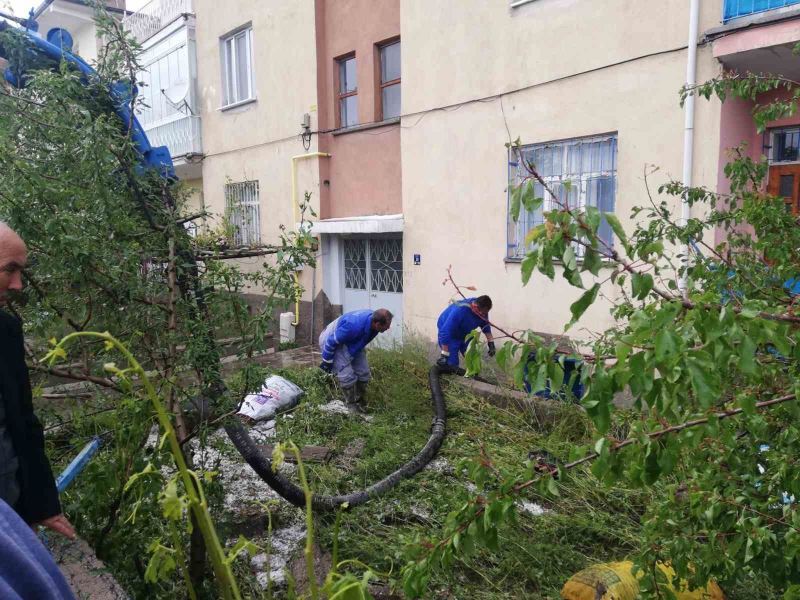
[742,8]
[590,164]
[373,265]
[390,80]
[244,212]
[237,67]
[785,145]
[348,92]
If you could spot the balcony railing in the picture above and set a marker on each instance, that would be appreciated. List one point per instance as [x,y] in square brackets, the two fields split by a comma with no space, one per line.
[181,136]
[154,16]
[742,8]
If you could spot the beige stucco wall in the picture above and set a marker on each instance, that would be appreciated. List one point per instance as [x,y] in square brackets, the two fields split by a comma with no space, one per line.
[257,140]
[455,170]
[193,189]
[85,41]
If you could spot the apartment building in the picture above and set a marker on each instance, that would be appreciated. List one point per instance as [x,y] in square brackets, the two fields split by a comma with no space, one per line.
[759,36]
[404,151]
[359,87]
[77,18]
[589,88]
[257,85]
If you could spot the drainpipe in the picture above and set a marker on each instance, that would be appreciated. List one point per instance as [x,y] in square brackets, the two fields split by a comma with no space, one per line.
[688,130]
[296,216]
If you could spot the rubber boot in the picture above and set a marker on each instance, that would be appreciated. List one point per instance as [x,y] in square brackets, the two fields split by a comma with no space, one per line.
[349,395]
[361,395]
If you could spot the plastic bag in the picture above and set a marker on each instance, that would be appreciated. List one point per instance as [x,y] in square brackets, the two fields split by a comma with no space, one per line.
[615,581]
[276,395]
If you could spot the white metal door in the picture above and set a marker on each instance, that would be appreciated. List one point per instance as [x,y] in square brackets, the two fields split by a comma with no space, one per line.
[373,278]
[386,284]
[356,291]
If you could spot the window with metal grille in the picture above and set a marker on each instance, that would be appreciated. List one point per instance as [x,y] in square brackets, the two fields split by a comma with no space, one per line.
[355,264]
[237,67]
[589,164]
[386,265]
[348,92]
[742,8]
[244,212]
[785,145]
[390,80]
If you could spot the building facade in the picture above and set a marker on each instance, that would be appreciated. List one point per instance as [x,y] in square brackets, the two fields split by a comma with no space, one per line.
[591,91]
[395,116]
[760,37]
[361,214]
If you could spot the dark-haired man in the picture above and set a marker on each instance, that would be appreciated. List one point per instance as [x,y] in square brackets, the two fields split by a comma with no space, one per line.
[456,322]
[343,344]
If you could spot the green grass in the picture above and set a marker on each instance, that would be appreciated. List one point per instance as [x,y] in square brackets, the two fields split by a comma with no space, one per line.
[587,524]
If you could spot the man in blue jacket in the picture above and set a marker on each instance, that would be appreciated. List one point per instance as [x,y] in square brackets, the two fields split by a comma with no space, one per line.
[343,344]
[456,322]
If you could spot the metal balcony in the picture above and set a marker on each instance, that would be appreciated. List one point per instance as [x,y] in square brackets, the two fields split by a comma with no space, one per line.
[154,16]
[181,136]
[742,8]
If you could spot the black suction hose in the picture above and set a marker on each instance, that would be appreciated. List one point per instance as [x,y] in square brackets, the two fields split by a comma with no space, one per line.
[294,494]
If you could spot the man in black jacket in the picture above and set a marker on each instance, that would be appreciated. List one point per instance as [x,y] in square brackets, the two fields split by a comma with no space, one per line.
[26,480]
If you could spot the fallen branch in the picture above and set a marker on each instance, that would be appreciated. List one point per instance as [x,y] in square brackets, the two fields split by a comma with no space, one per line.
[515,490]
[67,374]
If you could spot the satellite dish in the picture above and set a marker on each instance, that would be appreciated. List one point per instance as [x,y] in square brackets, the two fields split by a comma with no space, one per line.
[176,93]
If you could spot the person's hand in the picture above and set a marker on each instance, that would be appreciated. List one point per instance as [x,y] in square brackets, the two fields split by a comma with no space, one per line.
[442,362]
[59,524]
[326,366]
[492,349]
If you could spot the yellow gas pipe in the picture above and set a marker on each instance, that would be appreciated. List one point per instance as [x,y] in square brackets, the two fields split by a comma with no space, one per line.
[295,207]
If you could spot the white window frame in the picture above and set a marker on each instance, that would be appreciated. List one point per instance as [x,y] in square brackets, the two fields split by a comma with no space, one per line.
[243,209]
[577,197]
[230,79]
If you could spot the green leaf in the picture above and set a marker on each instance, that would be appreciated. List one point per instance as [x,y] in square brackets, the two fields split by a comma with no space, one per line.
[516,202]
[701,383]
[161,564]
[172,505]
[570,262]
[529,200]
[593,217]
[242,545]
[472,358]
[581,304]
[552,487]
[747,402]
[665,344]
[747,356]
[641,284]
[616,227]
[528,265]
[149,468]
[503,355]
[534,234]
[592,261]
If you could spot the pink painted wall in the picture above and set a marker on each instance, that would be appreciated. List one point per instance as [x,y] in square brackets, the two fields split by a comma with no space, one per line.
[737,127]
[786,32]
[363,174]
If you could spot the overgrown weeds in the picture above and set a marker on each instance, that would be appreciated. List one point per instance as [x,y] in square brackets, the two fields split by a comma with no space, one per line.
[551,539]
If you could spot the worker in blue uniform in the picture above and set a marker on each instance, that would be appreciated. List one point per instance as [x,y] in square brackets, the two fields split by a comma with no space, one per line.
[456,322]
[343,344]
